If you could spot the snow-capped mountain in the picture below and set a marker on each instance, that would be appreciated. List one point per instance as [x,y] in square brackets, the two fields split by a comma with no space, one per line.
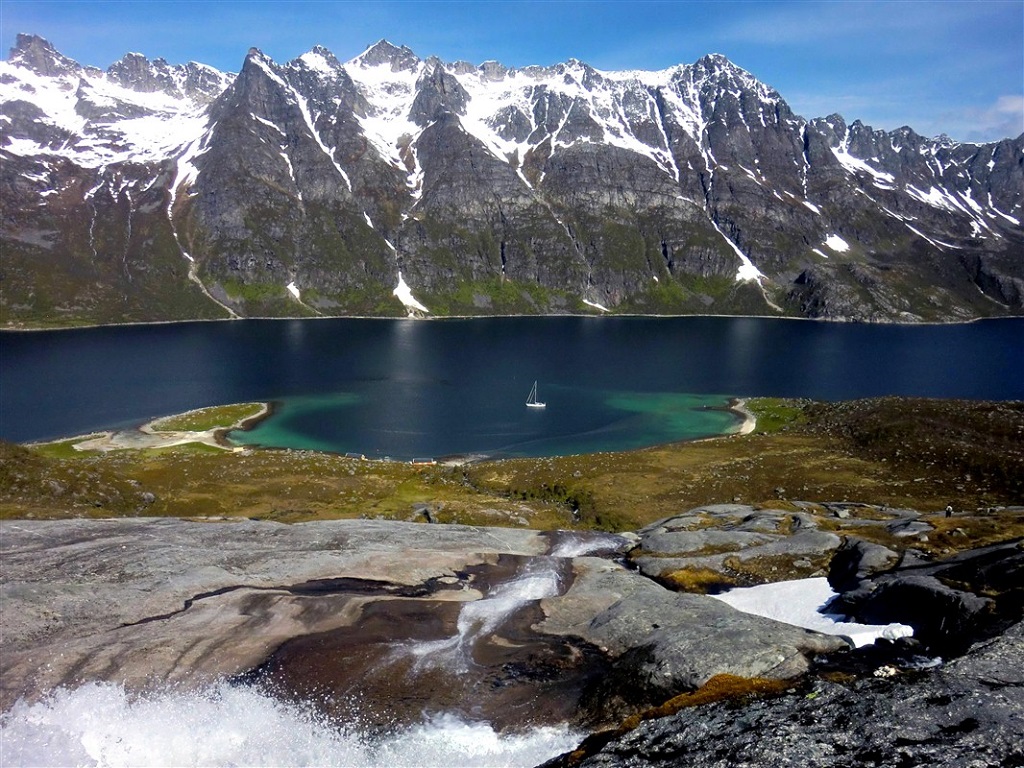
[150,191]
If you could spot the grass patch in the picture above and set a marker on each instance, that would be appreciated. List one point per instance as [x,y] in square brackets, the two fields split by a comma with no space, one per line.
[60,449]
[775,414]
[722,687]
[205,419]
[765,570]
[699,581]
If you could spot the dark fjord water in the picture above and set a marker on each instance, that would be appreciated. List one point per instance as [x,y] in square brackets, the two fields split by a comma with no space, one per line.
[411,388]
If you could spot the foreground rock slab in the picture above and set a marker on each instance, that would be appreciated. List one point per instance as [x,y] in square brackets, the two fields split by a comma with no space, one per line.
[146,602]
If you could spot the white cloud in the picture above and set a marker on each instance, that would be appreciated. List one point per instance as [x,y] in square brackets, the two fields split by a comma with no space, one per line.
[1000,120]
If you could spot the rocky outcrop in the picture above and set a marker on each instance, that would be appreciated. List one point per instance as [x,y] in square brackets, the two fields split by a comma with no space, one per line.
[381,620]
[908,709]
[949,602]
[969,713]
[728,544]
[663,643]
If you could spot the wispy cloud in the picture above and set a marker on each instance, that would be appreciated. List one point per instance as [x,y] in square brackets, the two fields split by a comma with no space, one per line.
[1002,119]
[894,25]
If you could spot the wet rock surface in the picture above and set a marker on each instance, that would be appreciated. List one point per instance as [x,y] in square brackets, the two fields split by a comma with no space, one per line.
[147,601]
[515,626]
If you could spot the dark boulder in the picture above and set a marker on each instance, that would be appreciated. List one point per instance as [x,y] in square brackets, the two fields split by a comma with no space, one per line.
[950,603]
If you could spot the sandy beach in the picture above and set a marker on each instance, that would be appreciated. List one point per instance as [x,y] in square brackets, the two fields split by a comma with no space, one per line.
[149,435]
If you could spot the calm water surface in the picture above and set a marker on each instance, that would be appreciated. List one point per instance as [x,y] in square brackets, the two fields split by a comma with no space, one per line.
[413,388]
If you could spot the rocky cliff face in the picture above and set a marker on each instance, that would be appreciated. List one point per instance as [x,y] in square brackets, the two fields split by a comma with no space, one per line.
[153,191]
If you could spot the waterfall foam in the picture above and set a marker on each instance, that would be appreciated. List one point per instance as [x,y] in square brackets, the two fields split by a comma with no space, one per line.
[539,578]
[573,544]
[100,724]
[479,618]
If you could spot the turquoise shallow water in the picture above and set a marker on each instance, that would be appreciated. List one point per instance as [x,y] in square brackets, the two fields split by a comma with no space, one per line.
[574,421]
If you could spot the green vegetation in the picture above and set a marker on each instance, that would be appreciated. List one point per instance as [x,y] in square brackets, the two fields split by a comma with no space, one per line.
[775,414]
[204,419]
[497,295]
[252,292]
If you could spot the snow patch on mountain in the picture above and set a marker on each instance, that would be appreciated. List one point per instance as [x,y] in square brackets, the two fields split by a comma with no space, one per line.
[837,244]
[390,94]
[667,152]
[853,164]
[101,122]
[404,294]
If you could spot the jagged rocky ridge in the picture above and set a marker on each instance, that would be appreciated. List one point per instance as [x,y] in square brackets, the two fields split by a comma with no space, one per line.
[153,191]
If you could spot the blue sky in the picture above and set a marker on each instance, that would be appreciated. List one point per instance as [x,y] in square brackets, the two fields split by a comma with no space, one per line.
[941,67]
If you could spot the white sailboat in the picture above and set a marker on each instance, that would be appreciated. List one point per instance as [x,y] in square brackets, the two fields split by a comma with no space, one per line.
[531,401]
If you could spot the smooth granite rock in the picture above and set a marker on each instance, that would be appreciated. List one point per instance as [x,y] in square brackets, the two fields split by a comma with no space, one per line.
[663,643]
[150,601]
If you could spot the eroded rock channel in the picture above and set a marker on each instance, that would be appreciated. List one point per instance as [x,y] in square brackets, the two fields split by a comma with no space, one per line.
[516,627]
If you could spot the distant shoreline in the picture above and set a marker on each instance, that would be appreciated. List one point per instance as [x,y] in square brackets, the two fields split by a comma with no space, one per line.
[437,318]
[149,435]
[739,406]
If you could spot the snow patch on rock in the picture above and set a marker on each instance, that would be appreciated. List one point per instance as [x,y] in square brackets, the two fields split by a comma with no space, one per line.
[837,244]
[404,294]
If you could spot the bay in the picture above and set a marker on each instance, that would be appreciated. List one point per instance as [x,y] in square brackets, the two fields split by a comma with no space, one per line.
[408,388]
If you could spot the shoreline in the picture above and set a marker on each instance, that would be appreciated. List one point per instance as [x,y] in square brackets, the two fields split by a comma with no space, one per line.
[442,318]
[220,434]
[149,435]
[739,406]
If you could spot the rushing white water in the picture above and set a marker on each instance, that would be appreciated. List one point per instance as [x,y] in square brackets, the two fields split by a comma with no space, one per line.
[479,618]
[576,545]
[99,724]
[538,579]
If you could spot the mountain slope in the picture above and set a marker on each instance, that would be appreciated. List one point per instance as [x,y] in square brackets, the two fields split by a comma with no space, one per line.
[151,191]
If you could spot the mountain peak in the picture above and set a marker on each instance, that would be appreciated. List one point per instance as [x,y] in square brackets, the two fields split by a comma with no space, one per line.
[716,63]
[385,52]
[39,55]
[320,59]
[715,59]
[717,71]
